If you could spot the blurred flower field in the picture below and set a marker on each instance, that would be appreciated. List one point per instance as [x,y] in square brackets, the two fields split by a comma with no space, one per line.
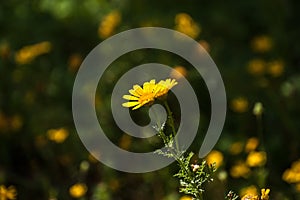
[255,45]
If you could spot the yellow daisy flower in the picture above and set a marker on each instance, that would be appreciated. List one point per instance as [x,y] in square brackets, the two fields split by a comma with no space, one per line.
[148,93]
[9,193]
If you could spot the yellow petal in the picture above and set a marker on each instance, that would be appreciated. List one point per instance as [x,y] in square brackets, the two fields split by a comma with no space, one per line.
[138,106]
[138,89]
[130,104]
[129,97]
[134,93]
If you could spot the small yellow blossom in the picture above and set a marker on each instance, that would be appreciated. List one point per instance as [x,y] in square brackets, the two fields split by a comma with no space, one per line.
[184,23]
[186,198]
[239,104]
[28,53]
[57,135]
[178,72]
[256,67]
[250,190]
[215,157]
[262,44]
[265,194]
[256,158]
[251,144]
[148,93]
[239,170]
[292,175]
[236,148]
[276,68]
[9,193]
[78,190]
[108,24]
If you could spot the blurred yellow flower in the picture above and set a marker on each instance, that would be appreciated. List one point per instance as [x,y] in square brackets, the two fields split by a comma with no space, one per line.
[262,44]
[78,190]
[239,170]
[7,193]
[250,190]
[256,67]
[186,198]
[184,23]
[57,135]
[140,96]
[250,197]
[28,53]
[236,148]
[256,158]
[178,72]
[215,157]
[108,24]
[276,68]
[251,144]
[292,175]
[74,62]
[239,104]
[265,194]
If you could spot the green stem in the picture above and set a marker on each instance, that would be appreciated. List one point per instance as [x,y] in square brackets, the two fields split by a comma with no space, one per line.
[171,124]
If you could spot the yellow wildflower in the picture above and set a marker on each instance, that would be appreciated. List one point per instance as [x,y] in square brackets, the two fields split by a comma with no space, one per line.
[184,23]
[262,44]
[240,170]
[265,194]
[256,158]
[276,68]
[250,191]
[78,190]
[57,135]
[178,72]
[214,157]
[9,193]
[148,93]
[108,24]
[28,53]
[256,67]
[239,105]
[292,175]
[236,148]
[251,144]
[186,198]
[250,197]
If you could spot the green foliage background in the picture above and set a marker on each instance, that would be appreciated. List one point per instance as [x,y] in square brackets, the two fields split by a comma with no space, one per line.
[36,96]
